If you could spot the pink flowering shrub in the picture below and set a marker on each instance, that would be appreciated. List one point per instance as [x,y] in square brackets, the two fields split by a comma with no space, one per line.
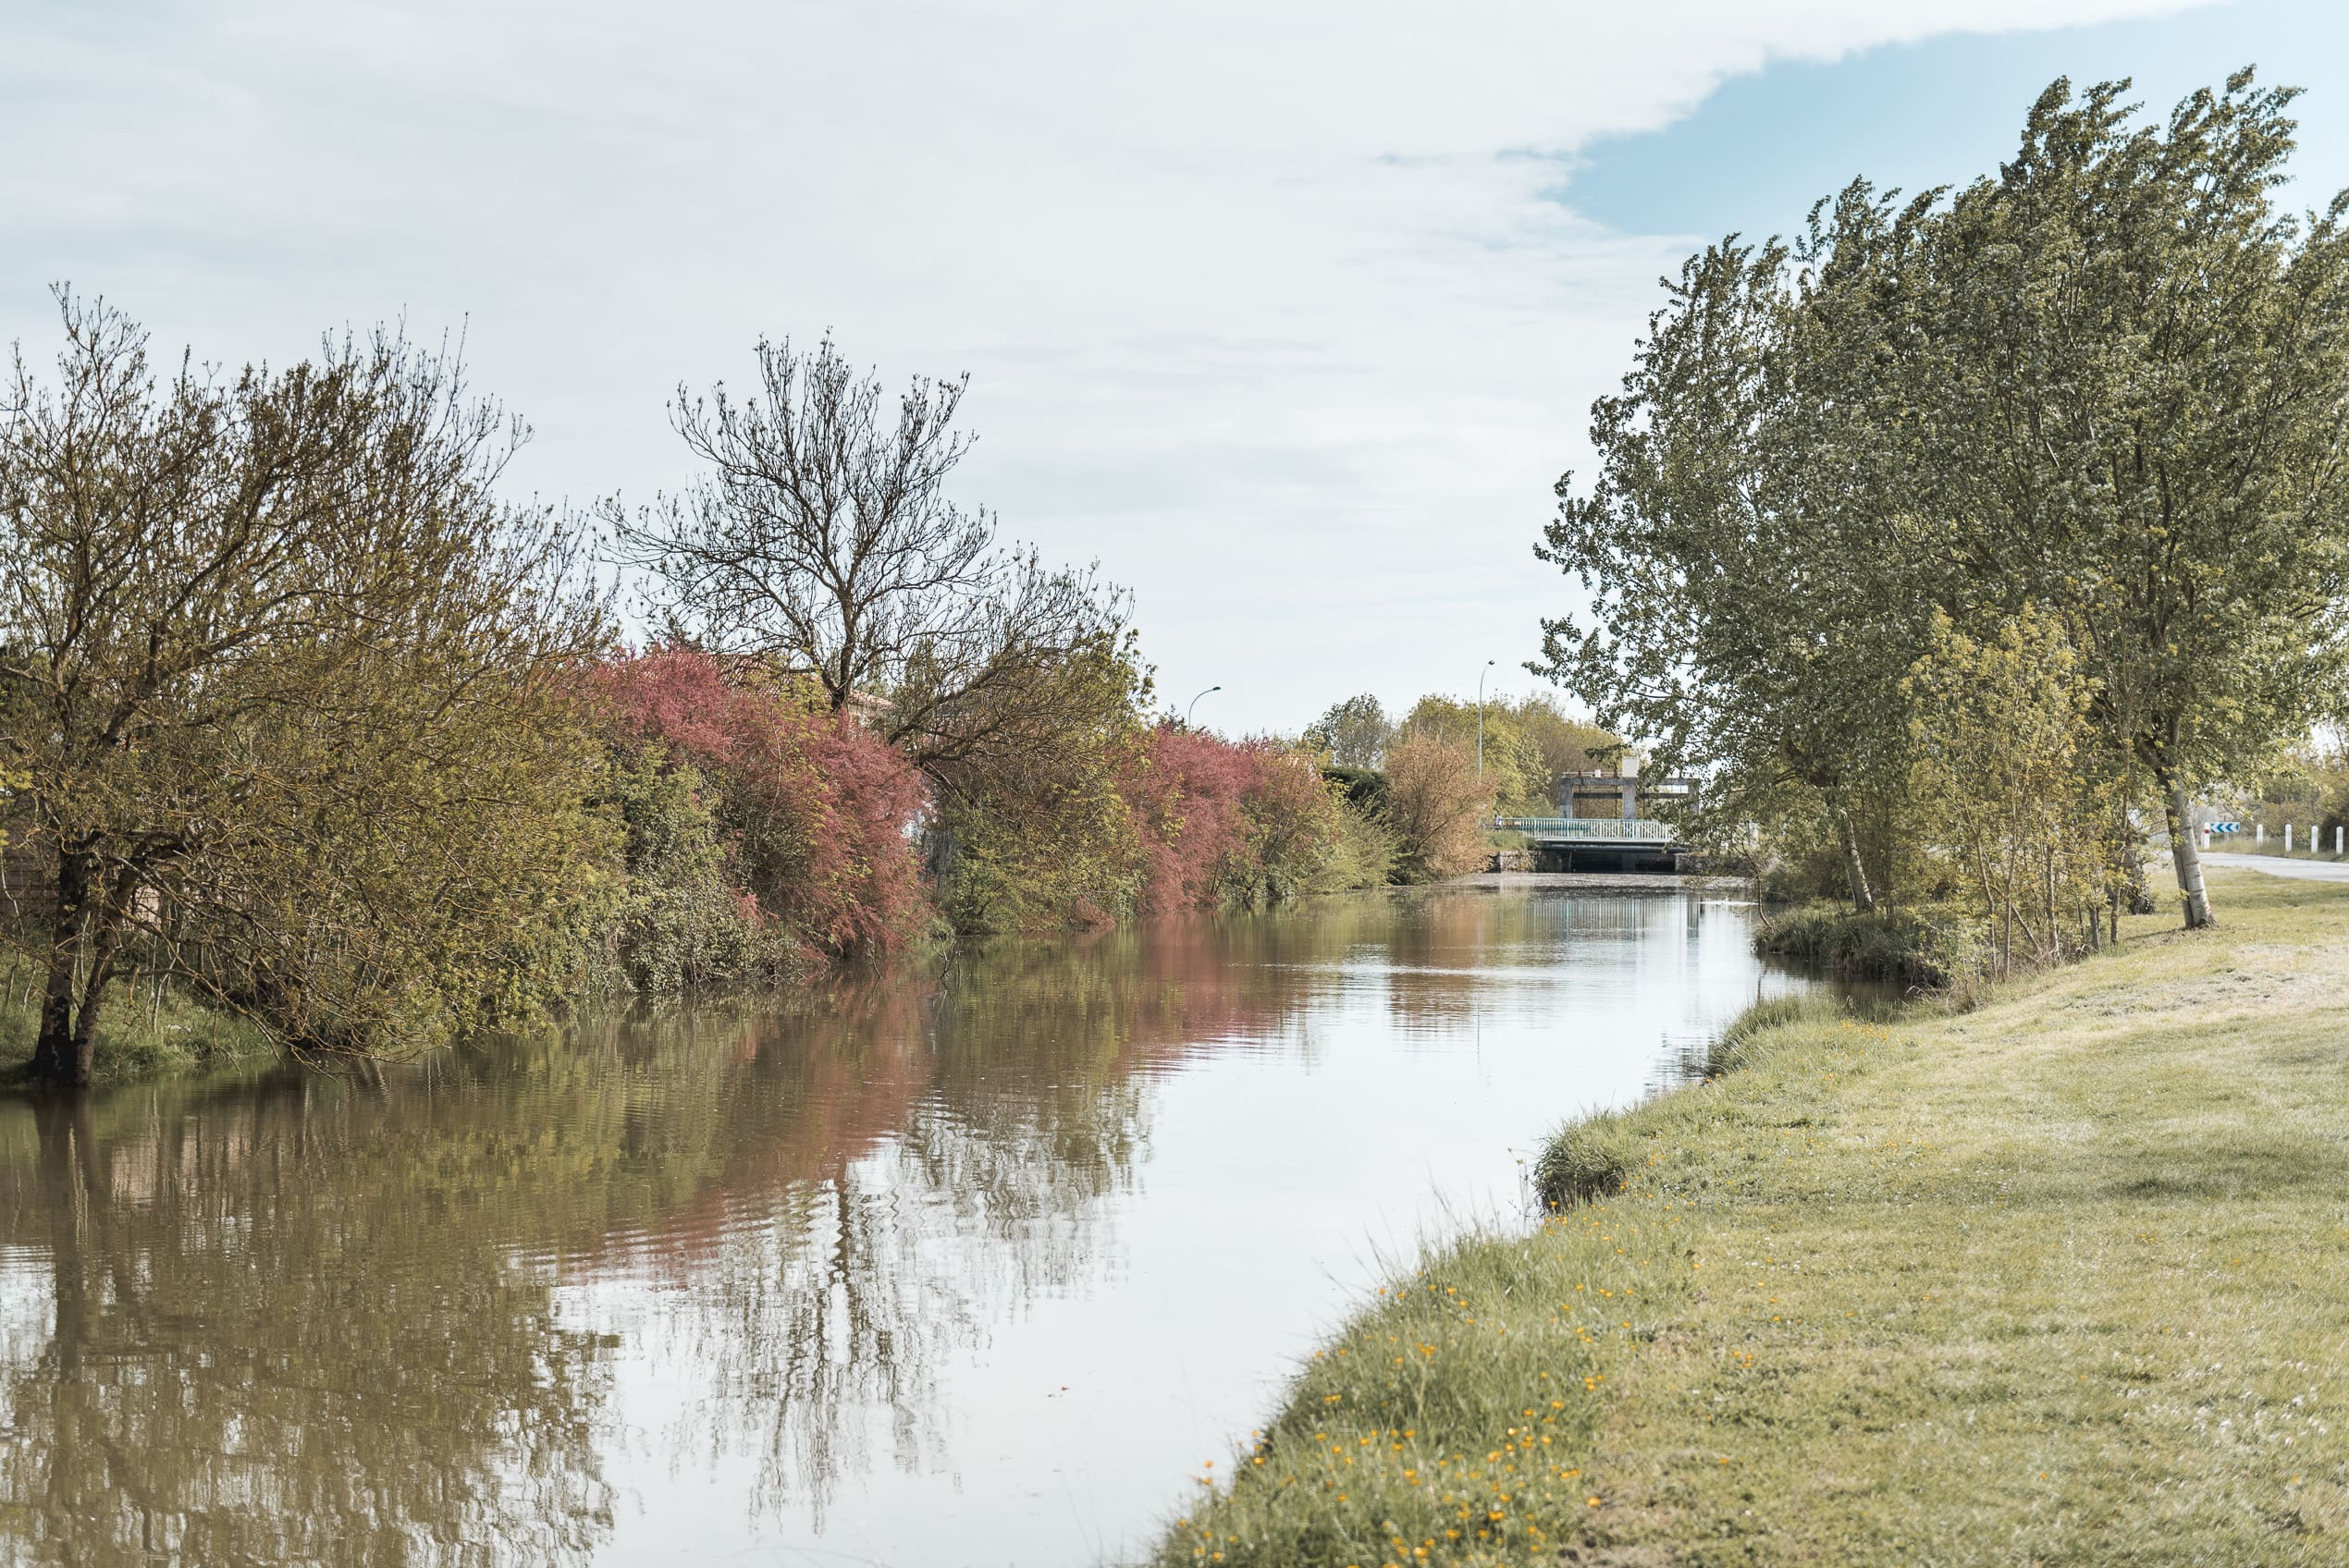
[801,813]
[1227,823]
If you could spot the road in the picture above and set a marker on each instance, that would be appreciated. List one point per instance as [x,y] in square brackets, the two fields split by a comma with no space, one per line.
[2276,865]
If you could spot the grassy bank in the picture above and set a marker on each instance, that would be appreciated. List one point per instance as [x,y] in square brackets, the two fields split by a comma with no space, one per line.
[140,1030]
[2063,1280]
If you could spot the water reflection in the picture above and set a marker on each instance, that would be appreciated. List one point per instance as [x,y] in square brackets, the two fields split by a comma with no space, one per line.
[537,1303]
[235,1336]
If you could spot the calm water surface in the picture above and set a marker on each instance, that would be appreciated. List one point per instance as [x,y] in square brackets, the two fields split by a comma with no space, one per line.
[969,1266]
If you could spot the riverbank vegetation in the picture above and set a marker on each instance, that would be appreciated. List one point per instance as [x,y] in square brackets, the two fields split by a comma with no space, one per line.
[304,725]
[1931,947]
[145,1027]
[2046,1279]
[1966,542]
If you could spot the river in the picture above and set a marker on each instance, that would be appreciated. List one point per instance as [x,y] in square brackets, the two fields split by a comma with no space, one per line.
[976,1262]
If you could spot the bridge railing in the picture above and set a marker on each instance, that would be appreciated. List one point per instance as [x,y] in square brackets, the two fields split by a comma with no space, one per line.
[1595,829]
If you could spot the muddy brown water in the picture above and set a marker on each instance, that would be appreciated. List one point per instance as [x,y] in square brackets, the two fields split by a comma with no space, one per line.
[974,1262]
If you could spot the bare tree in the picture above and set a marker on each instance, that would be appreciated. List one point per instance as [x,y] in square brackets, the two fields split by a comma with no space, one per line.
[822,538]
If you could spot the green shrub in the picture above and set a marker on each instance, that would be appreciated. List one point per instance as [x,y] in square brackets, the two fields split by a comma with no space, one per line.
[1586,1161]
[1365,787]
[1934,946]
[1363,854]
[681,922]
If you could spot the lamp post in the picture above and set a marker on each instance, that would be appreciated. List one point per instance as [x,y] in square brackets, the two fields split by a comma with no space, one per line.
[1480,721]
[1186,712]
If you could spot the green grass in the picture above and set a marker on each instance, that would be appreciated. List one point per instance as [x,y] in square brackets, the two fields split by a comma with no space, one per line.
[137,1037]
[2063,1280]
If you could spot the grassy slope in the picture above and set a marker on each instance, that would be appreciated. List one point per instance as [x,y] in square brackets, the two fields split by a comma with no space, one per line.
[2062,1280]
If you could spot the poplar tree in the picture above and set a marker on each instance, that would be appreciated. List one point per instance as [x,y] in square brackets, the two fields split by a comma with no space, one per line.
[2125,375]
[2111,381]
[1744,617]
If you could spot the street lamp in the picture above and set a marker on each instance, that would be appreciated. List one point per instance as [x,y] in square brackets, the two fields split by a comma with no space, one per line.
[1480,721]
[1186,712]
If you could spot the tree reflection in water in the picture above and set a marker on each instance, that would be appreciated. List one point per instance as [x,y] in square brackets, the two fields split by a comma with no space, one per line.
[847,1264]
[379,1318]
[259,1348]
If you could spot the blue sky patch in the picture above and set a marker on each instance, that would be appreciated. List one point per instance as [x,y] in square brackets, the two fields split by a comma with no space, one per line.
[1757,152]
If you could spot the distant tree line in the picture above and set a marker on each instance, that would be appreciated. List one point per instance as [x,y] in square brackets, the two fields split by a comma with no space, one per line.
[1437,775]
[1976,534]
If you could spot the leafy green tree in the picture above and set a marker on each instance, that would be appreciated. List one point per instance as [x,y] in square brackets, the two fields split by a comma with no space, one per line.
[1520,779]
[2007,762]
[2107,382]
[284,676]
[1744,618]
[1354,732]
[1567,745]
[2131,366]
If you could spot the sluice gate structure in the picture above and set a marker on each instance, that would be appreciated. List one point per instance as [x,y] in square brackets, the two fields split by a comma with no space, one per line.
[1567,843]
[1599,828]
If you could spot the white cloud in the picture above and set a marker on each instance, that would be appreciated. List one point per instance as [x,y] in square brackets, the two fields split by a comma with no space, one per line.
[1265,305]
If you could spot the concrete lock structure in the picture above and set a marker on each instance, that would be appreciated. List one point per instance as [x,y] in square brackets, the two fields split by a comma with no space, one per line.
[1598,825]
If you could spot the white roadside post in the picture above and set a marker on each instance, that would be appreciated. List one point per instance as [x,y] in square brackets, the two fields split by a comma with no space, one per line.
[2259,834]
[2287,837]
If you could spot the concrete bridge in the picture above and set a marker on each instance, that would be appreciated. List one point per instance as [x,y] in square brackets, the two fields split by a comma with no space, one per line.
[1599,828]
[1597,843]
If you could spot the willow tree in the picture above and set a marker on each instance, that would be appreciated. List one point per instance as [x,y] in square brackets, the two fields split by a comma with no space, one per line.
[283,677]
[2128,370]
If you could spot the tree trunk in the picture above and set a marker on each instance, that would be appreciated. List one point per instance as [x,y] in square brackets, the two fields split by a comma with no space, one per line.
[103,952]
[86,940]
[2186,856]
[1863,898]
[53,1055]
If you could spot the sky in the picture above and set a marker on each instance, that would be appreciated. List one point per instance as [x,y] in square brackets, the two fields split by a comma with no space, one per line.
[1287,314]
